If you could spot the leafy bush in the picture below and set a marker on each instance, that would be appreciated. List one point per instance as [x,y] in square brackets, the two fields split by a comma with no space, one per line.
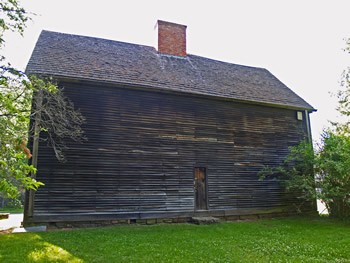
[14,203]
[296,173]
[333,163]
[326,169]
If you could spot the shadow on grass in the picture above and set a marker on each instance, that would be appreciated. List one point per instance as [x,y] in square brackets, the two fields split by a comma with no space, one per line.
[30,247]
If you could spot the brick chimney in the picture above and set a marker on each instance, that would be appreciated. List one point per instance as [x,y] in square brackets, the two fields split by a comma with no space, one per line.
[171,39]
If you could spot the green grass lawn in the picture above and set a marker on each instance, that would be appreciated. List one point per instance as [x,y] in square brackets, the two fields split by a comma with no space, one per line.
[11,210]
[278,240]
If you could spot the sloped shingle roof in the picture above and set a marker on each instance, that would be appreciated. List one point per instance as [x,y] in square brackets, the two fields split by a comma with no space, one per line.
[95,59]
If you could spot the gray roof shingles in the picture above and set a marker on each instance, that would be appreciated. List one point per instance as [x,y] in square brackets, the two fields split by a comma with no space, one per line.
[95,59]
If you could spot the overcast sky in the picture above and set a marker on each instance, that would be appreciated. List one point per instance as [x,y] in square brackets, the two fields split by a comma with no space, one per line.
[301,42]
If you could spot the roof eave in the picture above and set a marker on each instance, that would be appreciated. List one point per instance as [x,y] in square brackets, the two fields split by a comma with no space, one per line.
[158,89]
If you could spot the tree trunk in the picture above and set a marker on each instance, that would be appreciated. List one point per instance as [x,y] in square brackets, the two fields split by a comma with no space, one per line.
[28,211]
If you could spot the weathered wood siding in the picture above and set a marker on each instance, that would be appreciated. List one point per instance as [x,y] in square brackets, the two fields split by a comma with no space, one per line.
[143,146]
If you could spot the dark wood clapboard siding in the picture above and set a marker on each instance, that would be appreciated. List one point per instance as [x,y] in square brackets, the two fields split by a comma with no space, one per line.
[143,146]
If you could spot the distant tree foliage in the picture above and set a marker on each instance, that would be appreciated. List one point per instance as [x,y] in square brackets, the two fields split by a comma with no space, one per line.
[13,18]
[344,98]
[24,100]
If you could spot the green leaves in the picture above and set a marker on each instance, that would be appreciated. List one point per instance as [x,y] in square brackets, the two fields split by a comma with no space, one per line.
[14,173]
[334,172]
[343,96]
[15,106]
[19,104]
[296,173]
[16,91]
[13,18]
[23,99]
[327,169]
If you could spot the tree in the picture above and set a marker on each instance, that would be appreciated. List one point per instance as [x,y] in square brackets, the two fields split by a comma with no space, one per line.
[344,98]
[28,106]
[334,161]
[333,167]
[324,172]
[13,18]
[321,173]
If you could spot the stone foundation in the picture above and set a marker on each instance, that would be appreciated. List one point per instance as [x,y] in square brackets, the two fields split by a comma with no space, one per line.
[152,221]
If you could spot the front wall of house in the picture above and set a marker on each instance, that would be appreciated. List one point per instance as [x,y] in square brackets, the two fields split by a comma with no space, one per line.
[143,147]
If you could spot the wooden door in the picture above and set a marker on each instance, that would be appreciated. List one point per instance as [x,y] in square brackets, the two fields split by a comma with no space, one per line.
[200,188]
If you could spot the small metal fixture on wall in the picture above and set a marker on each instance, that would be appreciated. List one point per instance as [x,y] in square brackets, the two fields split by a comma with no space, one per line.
[299,115]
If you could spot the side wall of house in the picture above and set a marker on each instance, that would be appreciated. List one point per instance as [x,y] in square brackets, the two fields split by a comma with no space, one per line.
[142,148]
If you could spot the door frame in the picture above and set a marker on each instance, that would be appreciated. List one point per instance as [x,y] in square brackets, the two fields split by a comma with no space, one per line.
[206,187]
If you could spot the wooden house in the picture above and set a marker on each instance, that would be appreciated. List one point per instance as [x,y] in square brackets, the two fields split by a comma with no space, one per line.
[169,135]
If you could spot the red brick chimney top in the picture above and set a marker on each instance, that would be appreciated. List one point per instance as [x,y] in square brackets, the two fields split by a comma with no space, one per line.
[171,39]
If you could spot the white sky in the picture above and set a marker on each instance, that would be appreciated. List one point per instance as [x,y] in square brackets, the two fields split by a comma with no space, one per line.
[301,42]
